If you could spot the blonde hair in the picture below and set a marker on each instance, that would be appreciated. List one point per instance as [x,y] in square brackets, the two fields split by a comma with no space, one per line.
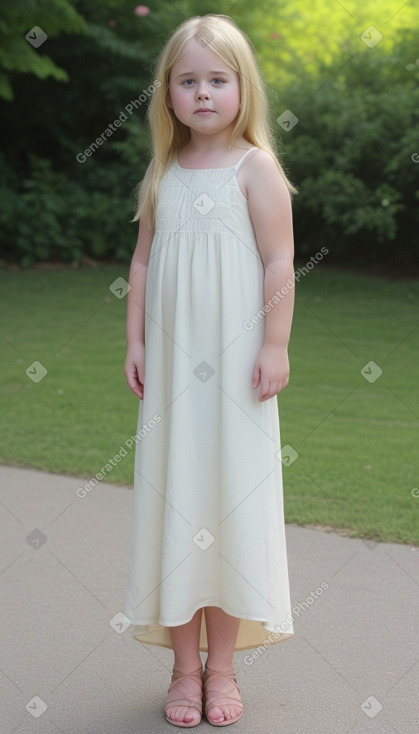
[169,135]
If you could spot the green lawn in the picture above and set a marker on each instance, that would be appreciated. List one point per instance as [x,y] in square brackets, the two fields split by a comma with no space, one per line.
[357,441]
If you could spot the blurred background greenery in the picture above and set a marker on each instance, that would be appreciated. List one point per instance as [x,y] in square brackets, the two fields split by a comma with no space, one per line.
[351,154]
[66,236]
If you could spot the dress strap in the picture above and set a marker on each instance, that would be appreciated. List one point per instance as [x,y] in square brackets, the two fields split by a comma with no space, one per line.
[238,164]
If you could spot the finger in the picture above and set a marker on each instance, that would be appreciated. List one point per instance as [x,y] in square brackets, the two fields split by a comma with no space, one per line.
[131,381]
[134,382]
[264,390]
[256,376]
[273,389]
[138,391]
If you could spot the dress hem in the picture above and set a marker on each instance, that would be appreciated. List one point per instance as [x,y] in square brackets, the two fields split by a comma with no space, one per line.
[282,638]
[207,604]
[252,633]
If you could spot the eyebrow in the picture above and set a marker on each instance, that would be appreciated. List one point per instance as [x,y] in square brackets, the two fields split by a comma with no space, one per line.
[191,73]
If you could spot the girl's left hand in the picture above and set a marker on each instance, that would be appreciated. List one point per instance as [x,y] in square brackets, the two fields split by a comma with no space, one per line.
[271,371]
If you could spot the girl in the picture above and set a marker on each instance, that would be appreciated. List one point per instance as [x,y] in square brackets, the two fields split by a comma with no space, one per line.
[208,325]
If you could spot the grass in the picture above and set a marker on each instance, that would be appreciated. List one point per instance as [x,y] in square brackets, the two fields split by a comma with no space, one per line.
[357,441]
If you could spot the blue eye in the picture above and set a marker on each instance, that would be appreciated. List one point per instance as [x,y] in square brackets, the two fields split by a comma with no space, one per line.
[215,79]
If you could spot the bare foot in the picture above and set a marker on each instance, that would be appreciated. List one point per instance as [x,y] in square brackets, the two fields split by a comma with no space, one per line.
[225,712]
[225,687]
[191,689]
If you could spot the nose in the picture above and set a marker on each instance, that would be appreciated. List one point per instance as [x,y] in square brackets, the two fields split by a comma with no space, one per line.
[202,92]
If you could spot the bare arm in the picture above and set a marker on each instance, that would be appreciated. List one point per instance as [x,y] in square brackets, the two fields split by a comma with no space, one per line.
[135,359]
[271,213]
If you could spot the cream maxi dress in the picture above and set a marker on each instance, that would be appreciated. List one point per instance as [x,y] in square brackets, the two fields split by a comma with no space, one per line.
[208,523]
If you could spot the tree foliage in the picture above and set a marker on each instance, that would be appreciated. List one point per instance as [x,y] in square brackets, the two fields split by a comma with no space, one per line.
[351,153]
[17,54]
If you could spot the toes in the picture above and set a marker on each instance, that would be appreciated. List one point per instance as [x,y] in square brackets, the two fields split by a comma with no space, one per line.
[180,713]
[216,714]
[189,717]
[230,712]
[224,712]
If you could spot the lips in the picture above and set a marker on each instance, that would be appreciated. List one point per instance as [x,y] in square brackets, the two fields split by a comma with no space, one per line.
[203,109]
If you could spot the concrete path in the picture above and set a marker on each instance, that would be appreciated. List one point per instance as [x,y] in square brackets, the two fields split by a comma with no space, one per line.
[352,666]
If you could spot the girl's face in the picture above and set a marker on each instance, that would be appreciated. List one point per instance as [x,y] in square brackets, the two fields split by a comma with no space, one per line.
[200,79]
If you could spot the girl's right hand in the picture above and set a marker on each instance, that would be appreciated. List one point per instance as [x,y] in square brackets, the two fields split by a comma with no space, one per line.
[134,369]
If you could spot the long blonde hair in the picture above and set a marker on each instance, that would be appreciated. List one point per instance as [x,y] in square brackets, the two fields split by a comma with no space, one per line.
[169,135]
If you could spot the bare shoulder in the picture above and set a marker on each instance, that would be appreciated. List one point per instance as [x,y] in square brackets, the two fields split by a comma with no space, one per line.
[269,205]
[264,180]
[261,176]
[268,200]
[263,167]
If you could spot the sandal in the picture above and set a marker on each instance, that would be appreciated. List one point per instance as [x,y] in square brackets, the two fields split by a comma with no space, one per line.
[178,695]
[229,693]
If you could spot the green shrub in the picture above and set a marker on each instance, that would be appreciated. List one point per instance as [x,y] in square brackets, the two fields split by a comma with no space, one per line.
[50,217]
[351,157]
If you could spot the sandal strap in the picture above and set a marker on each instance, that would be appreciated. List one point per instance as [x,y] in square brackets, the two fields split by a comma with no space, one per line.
[180,697]
[229,693]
